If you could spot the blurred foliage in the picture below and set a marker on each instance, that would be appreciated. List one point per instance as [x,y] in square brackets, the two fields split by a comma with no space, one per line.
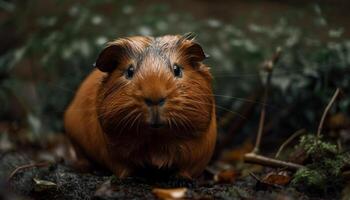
[52,45]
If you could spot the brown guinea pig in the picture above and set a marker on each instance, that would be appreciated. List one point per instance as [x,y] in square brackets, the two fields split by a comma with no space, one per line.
[149,103]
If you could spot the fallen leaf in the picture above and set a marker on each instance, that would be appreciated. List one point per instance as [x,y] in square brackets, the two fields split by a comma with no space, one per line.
[281,178]
[262,184]
[167,194]
[42,185]
[226,176]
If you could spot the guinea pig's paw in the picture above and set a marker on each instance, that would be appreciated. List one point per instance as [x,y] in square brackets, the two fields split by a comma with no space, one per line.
[184,175]
[122,172]
[80,165]
[181,182]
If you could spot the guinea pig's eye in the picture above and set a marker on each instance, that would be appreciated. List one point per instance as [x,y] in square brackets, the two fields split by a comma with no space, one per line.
[177,71]
[129,73]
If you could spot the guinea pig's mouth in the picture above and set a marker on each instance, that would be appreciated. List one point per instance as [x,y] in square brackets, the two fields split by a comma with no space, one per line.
[155,120]
[156,125]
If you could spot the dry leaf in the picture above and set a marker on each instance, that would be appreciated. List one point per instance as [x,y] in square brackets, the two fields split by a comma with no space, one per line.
[226,176]
[173,193]
[277,178]
[41,185]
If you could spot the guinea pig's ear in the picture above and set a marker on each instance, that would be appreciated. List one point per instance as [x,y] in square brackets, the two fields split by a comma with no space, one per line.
[111,56]
[193,51]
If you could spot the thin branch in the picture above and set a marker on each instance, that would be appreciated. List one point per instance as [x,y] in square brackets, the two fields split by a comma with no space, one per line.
[319,130]
[254,176]
[291,138]
[266,161]
[15,171]
[270,162]
[268,67]
[262,117]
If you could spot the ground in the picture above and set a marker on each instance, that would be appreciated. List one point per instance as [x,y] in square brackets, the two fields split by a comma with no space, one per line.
[66,183]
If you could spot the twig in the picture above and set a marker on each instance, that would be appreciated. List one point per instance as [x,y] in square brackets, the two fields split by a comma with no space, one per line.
[266,161]
[41,164]
[291,138]
[254,176]
[270,162]
[262,120]
[268,67]
[319,130]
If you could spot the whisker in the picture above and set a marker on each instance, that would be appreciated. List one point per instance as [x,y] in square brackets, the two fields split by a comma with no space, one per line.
[126,117]
[138,127]
[237,98]
[186,121]
[220,107]
[115,107]
[172,119]
[169,122]
[135,119]
[180,119]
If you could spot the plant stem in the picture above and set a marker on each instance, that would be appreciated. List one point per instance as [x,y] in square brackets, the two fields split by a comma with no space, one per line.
[262,115]
[266,161]
[268,67]
[291,138]
[41,164]
[270,162]
[319,130]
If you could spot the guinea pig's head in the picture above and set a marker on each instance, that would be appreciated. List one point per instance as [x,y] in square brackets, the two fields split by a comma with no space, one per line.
[154,85]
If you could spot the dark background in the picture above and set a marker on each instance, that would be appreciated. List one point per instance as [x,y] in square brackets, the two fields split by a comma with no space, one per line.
[48,47]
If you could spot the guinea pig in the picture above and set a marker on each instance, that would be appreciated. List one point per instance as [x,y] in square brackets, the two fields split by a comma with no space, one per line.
[149,103]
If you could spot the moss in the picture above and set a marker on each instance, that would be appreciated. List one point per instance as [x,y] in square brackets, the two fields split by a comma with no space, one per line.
[310,178]
[324,171]
[310,145]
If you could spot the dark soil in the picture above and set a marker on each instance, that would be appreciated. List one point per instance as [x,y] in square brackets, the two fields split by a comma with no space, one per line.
[70,184]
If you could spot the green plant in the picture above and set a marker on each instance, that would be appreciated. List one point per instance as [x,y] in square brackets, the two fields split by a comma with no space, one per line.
[324,170]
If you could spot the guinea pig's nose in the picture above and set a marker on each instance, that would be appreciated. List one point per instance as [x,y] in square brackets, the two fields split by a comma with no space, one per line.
[155,102]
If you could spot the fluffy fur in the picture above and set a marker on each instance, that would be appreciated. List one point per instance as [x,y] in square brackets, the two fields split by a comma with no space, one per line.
[108,119]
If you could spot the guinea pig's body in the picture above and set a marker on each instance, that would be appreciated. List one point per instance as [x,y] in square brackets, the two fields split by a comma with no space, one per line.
[149,104]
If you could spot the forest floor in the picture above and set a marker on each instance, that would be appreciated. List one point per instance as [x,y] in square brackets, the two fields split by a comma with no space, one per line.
[37,171]
[65,183]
